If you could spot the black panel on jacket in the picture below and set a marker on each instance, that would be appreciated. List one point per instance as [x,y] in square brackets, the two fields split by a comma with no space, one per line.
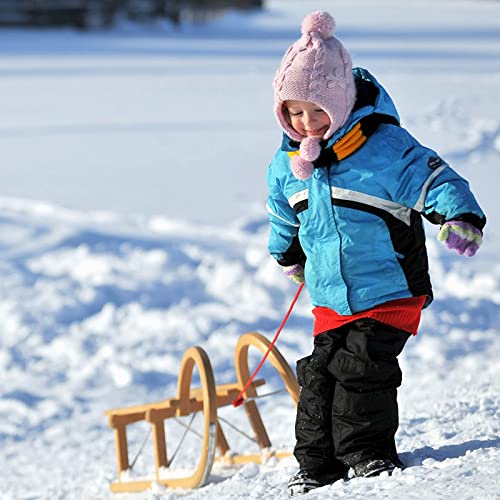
[408,241]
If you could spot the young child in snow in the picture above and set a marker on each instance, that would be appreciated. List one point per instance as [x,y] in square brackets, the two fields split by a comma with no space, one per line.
[348,189]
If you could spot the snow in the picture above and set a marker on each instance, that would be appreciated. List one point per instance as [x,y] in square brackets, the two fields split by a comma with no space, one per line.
[133,226]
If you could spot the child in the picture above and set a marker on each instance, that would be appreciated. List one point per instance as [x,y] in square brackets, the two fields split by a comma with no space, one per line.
[348,189]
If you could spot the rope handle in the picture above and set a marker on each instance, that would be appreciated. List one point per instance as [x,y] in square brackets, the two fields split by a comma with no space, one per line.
[239,400]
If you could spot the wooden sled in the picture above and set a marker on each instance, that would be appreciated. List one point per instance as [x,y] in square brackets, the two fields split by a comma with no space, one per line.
[205,399]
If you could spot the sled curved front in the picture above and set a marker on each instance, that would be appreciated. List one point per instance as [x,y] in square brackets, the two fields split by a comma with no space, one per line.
[188,401]
[196,355]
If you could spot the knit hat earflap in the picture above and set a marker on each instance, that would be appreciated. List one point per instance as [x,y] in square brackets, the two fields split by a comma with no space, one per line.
[318,69]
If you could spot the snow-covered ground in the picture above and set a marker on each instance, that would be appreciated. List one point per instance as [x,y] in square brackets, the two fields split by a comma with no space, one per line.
[132,226]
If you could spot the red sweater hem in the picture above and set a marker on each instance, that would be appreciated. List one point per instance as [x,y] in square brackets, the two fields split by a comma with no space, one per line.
[403,314]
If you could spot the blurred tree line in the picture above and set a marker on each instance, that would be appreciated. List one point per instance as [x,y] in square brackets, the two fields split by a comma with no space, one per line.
[92,14]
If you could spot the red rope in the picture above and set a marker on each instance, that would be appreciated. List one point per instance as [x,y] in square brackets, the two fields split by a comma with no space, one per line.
[239,400]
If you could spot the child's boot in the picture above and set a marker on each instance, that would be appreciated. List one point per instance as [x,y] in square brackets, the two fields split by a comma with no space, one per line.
[373,467]
[306,480]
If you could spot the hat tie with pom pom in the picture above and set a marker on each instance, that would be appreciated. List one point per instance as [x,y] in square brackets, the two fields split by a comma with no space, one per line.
[302,163]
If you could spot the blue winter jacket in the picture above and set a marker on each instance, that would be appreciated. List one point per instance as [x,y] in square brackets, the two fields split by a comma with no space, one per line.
[356,223]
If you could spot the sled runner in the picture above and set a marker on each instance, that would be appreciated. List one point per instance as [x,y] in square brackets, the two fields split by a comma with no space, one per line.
[206,400]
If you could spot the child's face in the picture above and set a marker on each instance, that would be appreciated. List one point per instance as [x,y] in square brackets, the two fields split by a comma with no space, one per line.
[306,118]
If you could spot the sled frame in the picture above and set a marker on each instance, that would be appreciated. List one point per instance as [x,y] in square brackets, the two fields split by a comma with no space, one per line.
[206,399]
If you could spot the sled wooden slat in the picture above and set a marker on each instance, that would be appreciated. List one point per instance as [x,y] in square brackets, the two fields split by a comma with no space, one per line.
[167,408]
[256,458]
[121,447]
[130,486]
[205,399]
[222,444]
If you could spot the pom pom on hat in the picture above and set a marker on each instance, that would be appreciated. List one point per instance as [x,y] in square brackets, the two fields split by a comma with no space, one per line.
[320,22]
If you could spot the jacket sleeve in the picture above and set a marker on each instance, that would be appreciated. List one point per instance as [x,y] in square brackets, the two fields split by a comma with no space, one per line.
[284,244]
[430,186]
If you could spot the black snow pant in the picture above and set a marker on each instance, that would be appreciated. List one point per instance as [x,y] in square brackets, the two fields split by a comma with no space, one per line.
[348,410]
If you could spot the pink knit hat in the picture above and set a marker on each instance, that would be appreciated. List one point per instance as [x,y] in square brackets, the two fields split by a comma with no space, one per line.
[317,69]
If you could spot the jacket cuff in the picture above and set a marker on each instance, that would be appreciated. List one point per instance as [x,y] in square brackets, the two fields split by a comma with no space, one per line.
[475,220]
[294,254]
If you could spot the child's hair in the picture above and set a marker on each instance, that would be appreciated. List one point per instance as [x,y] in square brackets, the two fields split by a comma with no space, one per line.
[286,113]
[318,69]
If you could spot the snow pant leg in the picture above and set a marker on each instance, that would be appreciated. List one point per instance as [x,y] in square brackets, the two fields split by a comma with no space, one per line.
[365,409]
[313,427]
